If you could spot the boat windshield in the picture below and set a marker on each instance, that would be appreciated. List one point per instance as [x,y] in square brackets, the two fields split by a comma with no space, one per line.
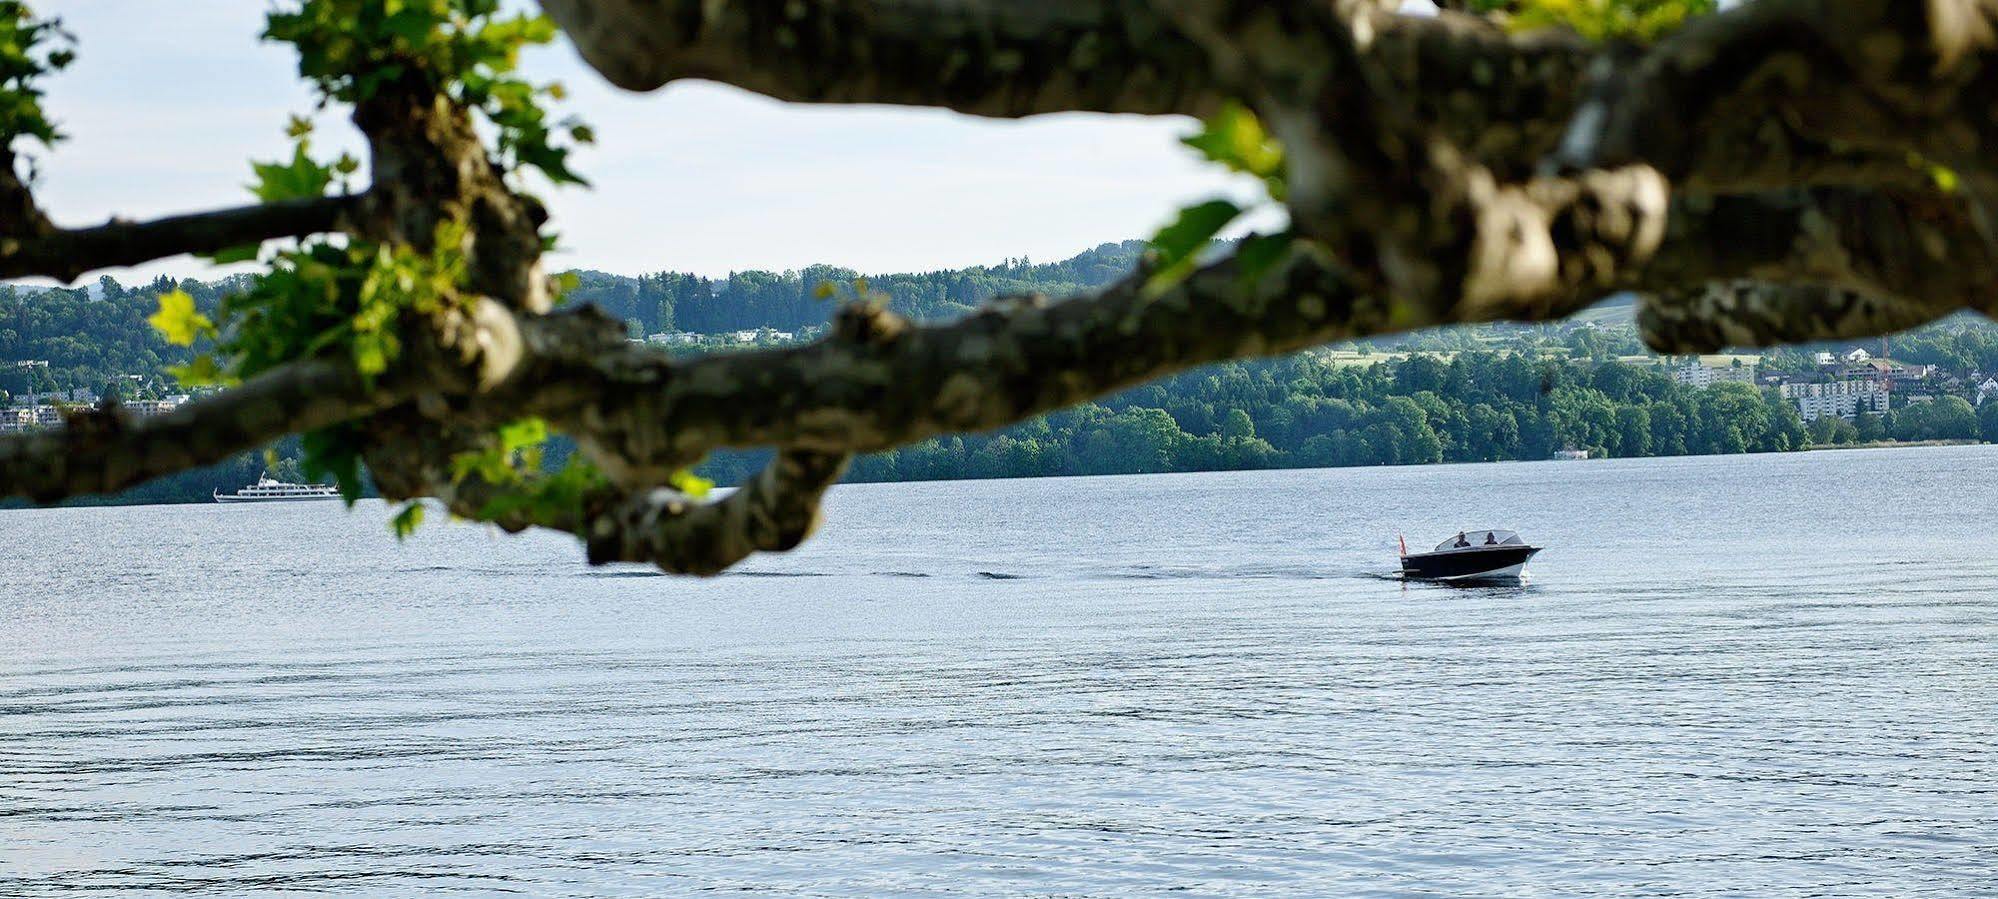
[1486,537]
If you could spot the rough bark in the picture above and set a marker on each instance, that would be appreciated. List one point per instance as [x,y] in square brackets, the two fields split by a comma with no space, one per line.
[66,254]
[983,57]
[1763,93]
[107,449]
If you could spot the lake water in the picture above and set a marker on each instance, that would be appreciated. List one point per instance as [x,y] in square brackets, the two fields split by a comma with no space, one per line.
[1750,675]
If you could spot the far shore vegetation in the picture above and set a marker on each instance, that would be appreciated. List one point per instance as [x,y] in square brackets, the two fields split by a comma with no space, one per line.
[1457,395]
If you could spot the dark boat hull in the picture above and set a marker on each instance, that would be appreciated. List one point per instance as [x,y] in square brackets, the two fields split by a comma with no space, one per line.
[1478,563]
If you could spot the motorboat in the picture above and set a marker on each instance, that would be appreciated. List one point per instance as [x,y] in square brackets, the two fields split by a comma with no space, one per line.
[268,489]
[1479,555]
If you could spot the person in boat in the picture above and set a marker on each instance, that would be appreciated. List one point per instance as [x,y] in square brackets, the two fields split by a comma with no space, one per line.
[1462,541]
[1491,539]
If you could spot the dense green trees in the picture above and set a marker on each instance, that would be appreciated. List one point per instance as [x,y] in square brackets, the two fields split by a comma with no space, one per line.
[1310,412]
[1944,418]
[791,300]
[88,340]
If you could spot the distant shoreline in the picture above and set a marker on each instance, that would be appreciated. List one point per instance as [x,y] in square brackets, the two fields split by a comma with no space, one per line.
[102,502]
[1891,444]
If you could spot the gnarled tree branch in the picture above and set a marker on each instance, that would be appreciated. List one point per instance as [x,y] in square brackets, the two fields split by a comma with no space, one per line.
[983,57]
[108,449]
[65,254]
[1770,91]
[1503,98]
[879,382]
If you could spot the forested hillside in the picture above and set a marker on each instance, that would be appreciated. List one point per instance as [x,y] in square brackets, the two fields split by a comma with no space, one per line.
[788,301]
[88,336]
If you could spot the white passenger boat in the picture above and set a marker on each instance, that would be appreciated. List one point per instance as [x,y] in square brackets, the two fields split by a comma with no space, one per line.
[267,490]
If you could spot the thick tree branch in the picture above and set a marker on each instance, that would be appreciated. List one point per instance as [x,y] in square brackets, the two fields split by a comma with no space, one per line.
[1723,314]
[108,449]
[1503,98]
[879,382]
[65,254]
[1768,92]
[983,57]
[773,512]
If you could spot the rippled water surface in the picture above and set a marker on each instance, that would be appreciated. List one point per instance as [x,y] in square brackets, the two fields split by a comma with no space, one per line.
[1767,676]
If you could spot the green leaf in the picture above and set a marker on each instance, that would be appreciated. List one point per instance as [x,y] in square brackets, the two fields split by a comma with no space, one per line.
[1194,228]
[1235,138]
[301,178]
[407,520]
[178,321]
[689,483]
[334,451]
[1602,20]
[202,372]
[245,253]
[412,25]
[1180,243]
[1259,252]
[521,434]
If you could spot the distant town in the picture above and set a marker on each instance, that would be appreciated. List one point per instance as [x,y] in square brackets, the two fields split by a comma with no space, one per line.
[1845,385]
[142,395]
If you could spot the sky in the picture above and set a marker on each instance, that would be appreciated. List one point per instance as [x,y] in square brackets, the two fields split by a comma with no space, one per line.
[168,102]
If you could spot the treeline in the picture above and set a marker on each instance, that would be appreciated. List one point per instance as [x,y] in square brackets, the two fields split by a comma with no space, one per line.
[199,484]
[790,301]
[91,336]
[1304,411]
[1963,342]
[1943,418]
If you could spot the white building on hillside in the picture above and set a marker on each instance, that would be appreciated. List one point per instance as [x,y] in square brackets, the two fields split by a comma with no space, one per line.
[1845,399]
[29,418]
[1696,373]
[155,407]
[16,418]
[34,417]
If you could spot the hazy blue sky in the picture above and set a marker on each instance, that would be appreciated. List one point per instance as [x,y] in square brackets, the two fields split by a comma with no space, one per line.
[169,100]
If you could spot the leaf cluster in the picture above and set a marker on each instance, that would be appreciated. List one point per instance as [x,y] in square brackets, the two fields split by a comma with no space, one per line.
[328,300]
[1236,139]
[30,48]
[353,49]
[1601,20]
